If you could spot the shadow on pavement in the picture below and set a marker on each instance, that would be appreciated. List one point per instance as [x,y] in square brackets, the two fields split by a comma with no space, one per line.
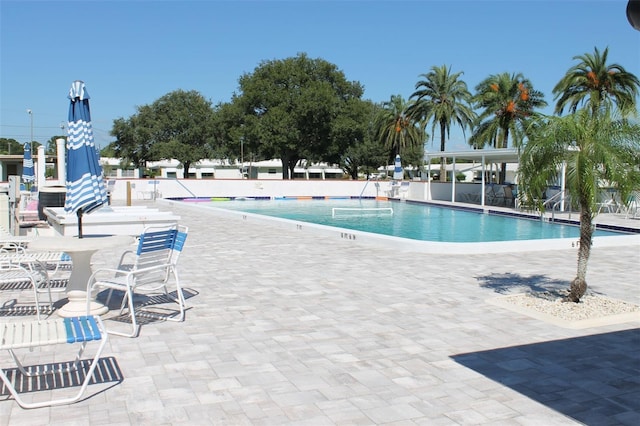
[592,379]
[508,282]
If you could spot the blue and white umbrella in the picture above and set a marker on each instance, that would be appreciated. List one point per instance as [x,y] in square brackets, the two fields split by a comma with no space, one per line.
[398,174]
[86,189]
[28,175]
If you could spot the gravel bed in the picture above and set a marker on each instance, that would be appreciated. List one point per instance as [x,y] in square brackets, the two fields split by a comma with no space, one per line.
[590,306]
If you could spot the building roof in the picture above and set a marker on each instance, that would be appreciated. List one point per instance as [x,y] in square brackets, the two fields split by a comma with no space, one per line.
[504,155]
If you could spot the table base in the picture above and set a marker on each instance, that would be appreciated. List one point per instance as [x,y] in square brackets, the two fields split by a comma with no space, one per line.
[77,306]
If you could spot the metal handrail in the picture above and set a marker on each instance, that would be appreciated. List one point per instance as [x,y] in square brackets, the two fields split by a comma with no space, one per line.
[563,198]
[365,185]
[558,196]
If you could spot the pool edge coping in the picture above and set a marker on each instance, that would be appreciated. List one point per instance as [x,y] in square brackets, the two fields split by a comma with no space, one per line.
[409,245]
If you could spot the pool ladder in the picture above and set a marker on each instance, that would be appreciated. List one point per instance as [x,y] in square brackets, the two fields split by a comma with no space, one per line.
[365,185]
[559,202]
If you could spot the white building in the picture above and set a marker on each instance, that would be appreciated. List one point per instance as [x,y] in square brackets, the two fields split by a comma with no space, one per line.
[221,169]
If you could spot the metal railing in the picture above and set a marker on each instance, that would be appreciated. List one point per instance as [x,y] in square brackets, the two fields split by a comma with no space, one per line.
[559,202]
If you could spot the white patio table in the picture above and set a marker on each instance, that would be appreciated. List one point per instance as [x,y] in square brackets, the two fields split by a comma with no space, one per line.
[80,251]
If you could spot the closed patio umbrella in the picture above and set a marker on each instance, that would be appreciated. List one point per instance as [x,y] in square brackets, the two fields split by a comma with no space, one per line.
[633,13]
[397,170]
[28,175]
[86,189]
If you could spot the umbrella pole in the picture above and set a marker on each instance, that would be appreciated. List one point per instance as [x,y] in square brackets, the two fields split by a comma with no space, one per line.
[79,213]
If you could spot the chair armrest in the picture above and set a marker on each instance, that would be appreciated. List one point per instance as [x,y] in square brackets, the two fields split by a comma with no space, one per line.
[128,273]
[125,254]
[158,267]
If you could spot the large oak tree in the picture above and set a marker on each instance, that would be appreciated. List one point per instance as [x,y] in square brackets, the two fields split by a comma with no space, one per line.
[292,107]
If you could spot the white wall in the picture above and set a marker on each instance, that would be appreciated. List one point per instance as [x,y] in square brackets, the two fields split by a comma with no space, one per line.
[187,188]
[192,188]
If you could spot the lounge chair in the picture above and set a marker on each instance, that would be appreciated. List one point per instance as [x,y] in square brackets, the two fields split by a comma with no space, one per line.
[154,265]
[54,261]
[27,335]
[29,215]
[10,241]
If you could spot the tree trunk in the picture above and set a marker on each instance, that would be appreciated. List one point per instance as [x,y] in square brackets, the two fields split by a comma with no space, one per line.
[285,167]
[288,166]
[579,285]
[187,165]
[443,160]
[502,175]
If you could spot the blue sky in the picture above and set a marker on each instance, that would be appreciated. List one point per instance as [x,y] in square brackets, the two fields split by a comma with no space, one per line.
[130,53]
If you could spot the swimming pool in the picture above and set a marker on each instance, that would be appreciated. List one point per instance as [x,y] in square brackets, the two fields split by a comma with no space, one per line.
[422,222]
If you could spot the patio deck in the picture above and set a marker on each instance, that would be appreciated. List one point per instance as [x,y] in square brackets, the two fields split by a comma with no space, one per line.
[291,329]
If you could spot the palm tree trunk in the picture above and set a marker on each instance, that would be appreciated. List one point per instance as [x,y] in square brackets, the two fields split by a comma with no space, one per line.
[502,175]
[443,160]
[579,284]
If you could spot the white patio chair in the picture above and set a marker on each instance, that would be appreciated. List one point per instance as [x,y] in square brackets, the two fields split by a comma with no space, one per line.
[151,193]
[632,208]
[27,335]
[26,275]
[607,203]
[154,266]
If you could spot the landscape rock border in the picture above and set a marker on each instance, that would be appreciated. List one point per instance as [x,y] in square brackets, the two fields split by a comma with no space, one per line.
[592,311]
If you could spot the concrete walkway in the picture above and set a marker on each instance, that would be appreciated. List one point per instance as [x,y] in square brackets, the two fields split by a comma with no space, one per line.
[286,328]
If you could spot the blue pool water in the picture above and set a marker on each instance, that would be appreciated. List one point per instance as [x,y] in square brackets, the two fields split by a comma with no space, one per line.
[408,220]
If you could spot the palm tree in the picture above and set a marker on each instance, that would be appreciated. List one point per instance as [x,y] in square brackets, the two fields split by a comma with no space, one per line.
[593,82]
[442,98]
[600,148]
[398,132]
[508,102]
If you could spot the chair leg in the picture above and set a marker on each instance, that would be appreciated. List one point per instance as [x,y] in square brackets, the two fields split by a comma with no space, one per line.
[180,300]
[135,327]
[39,283]
[132,313]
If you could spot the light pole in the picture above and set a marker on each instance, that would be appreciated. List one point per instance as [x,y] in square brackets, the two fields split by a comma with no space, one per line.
[62,126]
[242,172]
[31,140]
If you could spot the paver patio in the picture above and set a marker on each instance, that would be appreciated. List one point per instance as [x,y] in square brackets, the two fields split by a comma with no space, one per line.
[287,328]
